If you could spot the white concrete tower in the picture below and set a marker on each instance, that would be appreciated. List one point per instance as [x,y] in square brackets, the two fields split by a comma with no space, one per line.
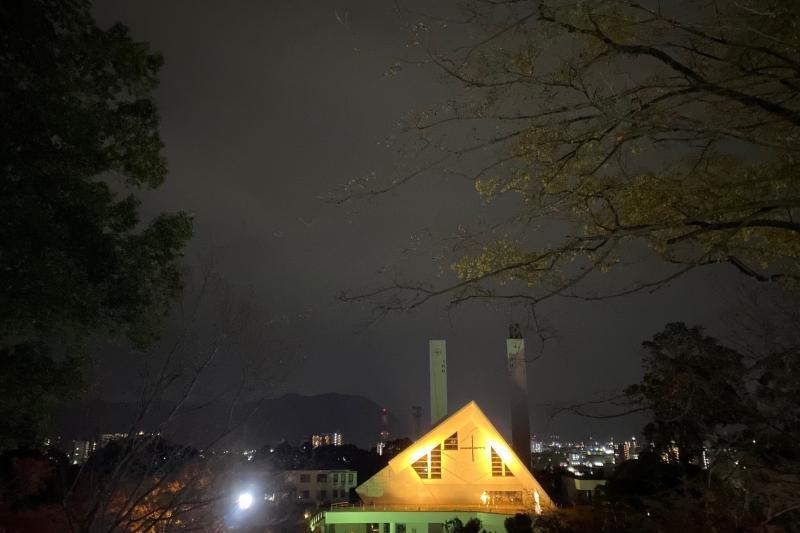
[518,389]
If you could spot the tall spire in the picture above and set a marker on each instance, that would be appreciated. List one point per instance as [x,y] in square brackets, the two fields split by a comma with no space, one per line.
[518,390]
[438,360]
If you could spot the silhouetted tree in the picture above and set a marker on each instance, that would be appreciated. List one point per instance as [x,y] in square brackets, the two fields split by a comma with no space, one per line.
[737,417]
[616,126]
[519,523]
[455,525]
[694,386]
[79,136]
[147,483]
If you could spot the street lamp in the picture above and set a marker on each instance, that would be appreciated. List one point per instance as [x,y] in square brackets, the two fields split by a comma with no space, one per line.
[245,500]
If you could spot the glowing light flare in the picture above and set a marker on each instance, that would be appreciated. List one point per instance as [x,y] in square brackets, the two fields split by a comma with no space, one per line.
[244,501]
[504,453]
[415,454]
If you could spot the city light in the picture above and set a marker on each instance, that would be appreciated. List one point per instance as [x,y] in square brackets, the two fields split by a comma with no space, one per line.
[245,500]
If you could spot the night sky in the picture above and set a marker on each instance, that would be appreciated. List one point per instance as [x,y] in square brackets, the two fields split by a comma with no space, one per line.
[266,107]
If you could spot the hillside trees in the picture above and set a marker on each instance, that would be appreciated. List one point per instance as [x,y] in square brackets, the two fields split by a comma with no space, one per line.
[150,482]
[162,464]
[736,414]
[694,386]
[617,127]
[79,137]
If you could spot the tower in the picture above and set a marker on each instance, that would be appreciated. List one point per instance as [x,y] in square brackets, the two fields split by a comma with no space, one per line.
[384,435]
[416,415]
[518,390]
[438,360]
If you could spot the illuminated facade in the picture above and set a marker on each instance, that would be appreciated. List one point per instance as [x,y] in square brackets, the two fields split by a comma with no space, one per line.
[326,439]
[105,438]
[81,450]
[461,468]
[628,450]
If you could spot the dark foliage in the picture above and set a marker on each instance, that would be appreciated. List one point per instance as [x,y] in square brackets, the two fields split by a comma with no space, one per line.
[694,387]
[31,478]
[79,136]
[712,407]
[519,523]
[455,525]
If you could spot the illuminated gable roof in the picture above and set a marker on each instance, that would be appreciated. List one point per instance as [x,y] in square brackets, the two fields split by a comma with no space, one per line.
[453,465]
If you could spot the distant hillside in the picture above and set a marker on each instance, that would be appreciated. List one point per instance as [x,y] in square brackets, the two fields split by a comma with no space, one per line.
[292,417]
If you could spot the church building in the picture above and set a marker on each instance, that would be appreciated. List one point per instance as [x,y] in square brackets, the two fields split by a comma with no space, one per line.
[462,468]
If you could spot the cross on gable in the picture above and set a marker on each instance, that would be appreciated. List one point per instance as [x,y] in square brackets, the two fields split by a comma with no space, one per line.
[472,447]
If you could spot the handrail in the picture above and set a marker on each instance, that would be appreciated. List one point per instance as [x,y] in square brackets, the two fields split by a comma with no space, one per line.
[346,506]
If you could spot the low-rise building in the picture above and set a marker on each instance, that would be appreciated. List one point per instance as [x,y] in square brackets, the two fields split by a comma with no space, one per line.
[581,490]
[320,487]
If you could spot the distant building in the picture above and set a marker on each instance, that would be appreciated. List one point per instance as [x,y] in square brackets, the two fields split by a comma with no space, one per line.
[105,438]
[81,450]
[57,443]
[580,490]
[628,450]
[320,487]
[395,446]
[671,455]
[327,439]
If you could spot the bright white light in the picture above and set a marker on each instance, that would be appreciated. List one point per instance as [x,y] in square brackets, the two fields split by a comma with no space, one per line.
[245,500]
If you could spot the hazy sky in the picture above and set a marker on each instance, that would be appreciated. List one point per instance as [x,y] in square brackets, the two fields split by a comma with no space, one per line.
[268,105]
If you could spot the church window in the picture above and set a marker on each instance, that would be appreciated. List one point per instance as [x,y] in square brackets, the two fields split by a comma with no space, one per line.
[499,468]
[451,442]
[429,466]
[420,466]
[436,463]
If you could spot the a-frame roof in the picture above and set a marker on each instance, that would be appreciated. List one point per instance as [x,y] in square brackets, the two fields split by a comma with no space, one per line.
[463,474]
